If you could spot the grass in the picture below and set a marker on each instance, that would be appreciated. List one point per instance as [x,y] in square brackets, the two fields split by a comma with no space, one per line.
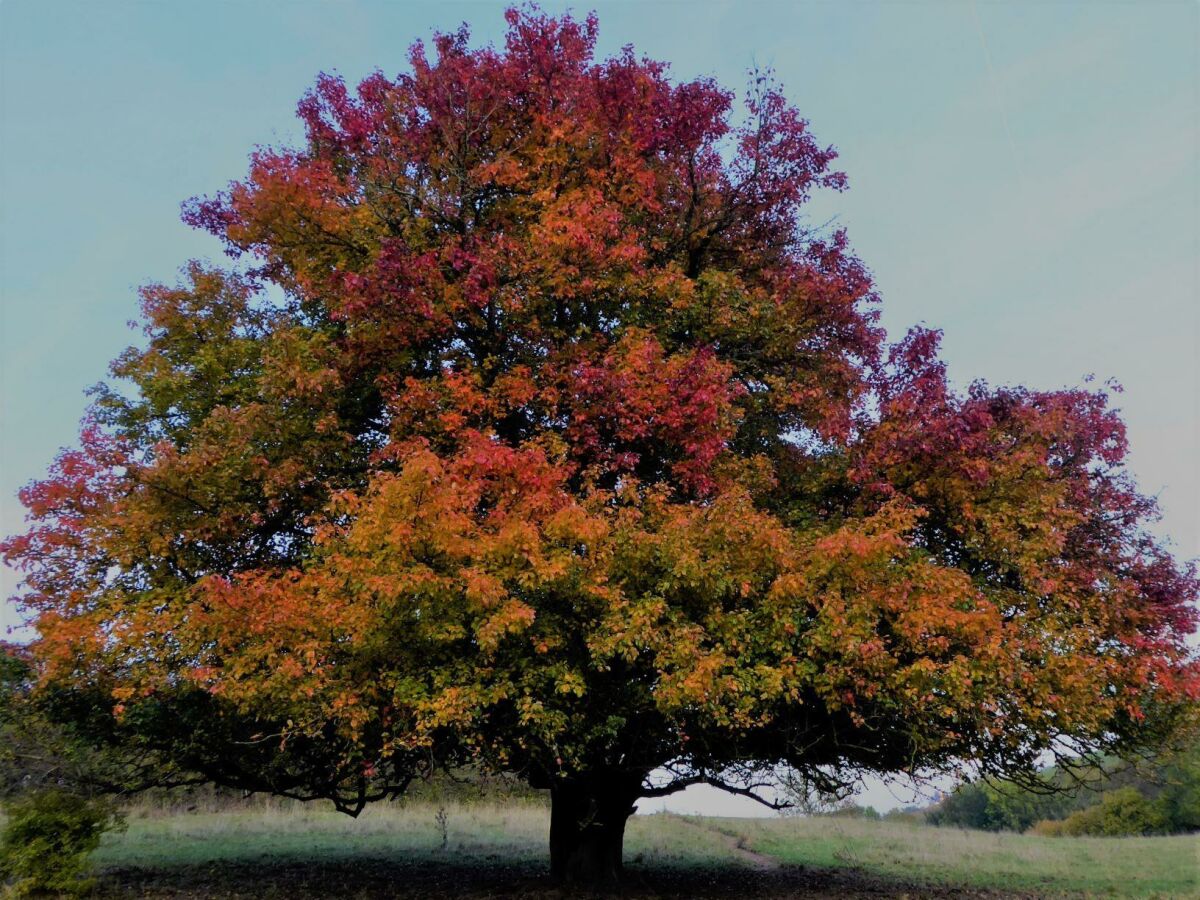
[157,840]
[1127,867]
[515,832]
[760,856]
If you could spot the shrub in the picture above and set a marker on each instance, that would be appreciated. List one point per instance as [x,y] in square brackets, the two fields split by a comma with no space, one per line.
[1050,828]
[965,807]
[46,842]
[1168,784]
[1120,812]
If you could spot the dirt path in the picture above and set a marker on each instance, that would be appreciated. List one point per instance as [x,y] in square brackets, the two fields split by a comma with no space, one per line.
[737,846]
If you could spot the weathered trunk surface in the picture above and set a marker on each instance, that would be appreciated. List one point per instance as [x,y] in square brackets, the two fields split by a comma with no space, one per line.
[587,828]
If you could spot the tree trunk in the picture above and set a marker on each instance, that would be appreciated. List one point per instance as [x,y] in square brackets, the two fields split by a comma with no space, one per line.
[587,828]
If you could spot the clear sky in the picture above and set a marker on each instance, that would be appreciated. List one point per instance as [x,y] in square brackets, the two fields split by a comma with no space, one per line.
[1024,175]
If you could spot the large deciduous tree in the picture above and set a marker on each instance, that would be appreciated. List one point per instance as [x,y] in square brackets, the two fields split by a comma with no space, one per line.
[536,431]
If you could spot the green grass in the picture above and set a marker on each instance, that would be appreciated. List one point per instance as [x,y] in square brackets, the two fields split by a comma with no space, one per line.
[158,840]
[514,834]
[1127,867]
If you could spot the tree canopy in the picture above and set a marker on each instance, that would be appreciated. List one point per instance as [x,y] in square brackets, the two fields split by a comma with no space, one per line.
[535,428]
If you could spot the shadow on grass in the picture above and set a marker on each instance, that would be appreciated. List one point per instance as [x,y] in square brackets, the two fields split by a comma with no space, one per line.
[486,878]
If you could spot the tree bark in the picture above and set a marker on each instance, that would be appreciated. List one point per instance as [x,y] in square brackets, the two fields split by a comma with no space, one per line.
[587,828]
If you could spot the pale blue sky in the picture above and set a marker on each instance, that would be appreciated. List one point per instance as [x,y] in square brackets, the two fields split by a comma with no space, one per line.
[1023,175]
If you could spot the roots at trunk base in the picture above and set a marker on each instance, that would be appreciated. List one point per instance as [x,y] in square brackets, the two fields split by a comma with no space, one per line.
[587,828]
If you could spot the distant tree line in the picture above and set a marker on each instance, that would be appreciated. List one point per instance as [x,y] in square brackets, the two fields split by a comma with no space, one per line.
[1161,796]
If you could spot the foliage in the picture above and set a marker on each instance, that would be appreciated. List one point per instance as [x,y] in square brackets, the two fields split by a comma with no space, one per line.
[913,815]
[47,839]
[52,782]
[35,752]
[1090,800]
[15,674]
[1005,806]
[1120,812]
[1178,790]
[63,739]
[537,431]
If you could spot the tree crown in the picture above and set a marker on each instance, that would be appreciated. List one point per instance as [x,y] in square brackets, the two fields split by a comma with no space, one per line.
[571,448]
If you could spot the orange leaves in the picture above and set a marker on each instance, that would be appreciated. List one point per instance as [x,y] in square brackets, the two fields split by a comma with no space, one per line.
[441,556]
[694,679]
[483,588]
[298,211]
[883,624]
[513,617]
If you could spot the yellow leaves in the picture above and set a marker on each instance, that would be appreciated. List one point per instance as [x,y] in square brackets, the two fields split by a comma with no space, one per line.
[515,548]
[694,682]
[530,710]
[453,706]
[572,683]
[787,587]
[629,627]
[773,681]
[574,525]
[123,693]
[513,617]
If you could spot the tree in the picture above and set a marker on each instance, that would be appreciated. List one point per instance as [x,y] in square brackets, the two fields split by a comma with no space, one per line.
[1168,783]
[537,431]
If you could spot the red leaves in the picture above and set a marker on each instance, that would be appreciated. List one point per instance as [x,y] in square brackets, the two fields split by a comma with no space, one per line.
[334,120]
[633,402]
[80,492]
[545,49]
[1025,491]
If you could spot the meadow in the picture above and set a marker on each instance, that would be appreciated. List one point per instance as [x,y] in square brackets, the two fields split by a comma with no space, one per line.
[267,849]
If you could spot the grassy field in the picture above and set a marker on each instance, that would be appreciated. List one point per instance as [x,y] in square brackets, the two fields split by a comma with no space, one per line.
[271,850]
[1133,866]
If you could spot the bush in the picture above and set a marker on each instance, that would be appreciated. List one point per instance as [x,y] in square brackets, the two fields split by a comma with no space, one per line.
[966,807]
[1049,828]
[1119,813]
[1168,785]
[47,840]
[1180,795]
[1003,806]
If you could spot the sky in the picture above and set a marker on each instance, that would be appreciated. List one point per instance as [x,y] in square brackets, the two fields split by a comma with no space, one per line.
[1023,175]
